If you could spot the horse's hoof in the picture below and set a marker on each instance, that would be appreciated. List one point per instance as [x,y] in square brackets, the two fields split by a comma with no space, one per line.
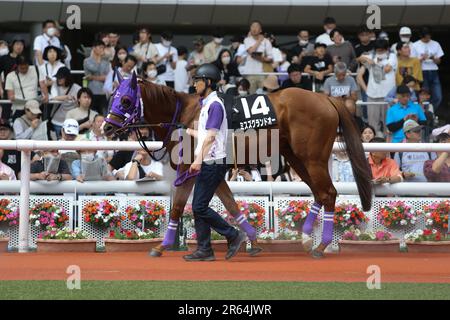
[253,251]
[307,243]
[316,254]
[155,253]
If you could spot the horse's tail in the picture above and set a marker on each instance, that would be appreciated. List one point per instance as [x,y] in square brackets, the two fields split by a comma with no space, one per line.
[355,151]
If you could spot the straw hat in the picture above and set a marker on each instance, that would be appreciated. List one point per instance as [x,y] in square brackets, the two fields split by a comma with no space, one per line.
[271,82]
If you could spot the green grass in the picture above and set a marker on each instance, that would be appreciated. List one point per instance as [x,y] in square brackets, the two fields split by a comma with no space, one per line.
[218,290]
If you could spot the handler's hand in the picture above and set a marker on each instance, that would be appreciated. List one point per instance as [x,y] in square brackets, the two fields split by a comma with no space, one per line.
[195,167]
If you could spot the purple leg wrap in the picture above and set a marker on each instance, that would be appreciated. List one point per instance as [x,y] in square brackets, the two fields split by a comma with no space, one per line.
[169,238]
[312,216]
[246,227]
[328,224]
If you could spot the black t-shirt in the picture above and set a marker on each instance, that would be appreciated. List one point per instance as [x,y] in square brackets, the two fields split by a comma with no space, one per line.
[120,159]
[289,84]
[12,159]
[7,64]
[38,167]
[318,64]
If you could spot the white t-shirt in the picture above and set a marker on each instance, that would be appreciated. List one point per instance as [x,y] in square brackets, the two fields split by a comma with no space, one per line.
[154,166]
[252,65]
[60,115]
[277,56]
[49,70]
[5,169]
[242,52]
[144,50]
[169,75]
[380,90]
[432,48]
[29,82]
[43,41]
[181,77]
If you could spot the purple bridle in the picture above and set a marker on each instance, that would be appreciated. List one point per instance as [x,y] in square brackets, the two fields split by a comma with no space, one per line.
[134,113]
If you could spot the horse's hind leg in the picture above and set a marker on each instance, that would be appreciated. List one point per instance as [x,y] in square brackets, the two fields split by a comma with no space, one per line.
[226,196]
[308,226]
[179,201]
[326,194]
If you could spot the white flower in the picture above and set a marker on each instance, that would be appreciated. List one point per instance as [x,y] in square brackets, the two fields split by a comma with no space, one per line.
[357,232]
[37,223]
[346,216]
[403,222]
[420,232]
[429,222]
[434,231]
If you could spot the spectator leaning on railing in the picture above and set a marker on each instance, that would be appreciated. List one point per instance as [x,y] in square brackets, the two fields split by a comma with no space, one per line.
[342,51]
[295,78]
[384,169]
[411,163]
[6,172]
[30,125]
[410,82]
[50,167]
[319,64]
[438,170]
[403,110]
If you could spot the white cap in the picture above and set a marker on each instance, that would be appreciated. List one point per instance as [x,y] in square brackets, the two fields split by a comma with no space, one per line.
[405,31]
[71,126]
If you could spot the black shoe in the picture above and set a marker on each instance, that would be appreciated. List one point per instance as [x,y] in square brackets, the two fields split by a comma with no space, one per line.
[235,244]
[200,256]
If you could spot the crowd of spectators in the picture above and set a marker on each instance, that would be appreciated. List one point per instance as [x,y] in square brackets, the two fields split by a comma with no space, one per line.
[400,78]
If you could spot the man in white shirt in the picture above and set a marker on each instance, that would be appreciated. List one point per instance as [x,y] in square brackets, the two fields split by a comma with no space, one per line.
[47,38]
[382,65]
[112,79]
[259,51]
[429,53]
[168,57]
[181,73]
[405,37]
[328,24]
[144,50]
[22,85]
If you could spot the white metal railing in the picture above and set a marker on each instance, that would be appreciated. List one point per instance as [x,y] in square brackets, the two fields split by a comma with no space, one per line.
[25,146]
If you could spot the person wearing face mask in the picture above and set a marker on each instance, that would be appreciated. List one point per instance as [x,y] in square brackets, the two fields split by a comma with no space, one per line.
[228,69]
[96,134]
[47,38]
[214,47]
[150,73]
[69,132]
[329,23]
[382,66]
[304,47]
[405,35]
[119,57]
[4,50]
[181,71]
[236,42]
[243,88]
[50,168]
[167,59]
[125,71]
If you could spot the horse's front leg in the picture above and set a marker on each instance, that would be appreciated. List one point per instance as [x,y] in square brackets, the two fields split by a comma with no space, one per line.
[226,196]
[179,201]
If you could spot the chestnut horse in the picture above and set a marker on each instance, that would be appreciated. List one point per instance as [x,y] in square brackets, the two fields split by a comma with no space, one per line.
[307,124]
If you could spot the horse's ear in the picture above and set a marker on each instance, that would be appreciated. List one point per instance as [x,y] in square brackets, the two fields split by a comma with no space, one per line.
[119,76]
[133,81]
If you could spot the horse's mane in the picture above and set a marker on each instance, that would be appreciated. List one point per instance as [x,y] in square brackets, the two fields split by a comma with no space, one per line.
[158,94]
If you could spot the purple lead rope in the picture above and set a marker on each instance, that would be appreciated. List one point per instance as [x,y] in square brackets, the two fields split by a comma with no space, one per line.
[186,175]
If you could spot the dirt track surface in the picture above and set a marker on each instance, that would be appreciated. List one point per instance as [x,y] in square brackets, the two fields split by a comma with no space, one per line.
[398,267]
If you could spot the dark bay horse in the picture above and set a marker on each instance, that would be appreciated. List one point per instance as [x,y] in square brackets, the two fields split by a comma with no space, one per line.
[307,124]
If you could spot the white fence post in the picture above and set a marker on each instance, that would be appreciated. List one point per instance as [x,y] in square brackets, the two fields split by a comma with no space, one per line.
[24,202]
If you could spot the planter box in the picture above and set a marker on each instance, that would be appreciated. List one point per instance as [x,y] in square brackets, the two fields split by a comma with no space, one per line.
[429,246]
[84,245]
[369,246]
[281,245]
[4,244]
[145,245]
[217,245]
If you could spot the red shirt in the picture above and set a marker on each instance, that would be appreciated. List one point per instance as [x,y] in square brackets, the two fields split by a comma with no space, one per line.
[443,176]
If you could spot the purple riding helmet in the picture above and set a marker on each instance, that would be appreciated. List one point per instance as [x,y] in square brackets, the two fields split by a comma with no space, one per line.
[126,105]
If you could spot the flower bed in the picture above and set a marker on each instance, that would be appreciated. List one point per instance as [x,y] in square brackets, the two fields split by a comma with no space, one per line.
[397,215]
[428,240]
[102,214]
[347,215]
[436,215]
[47,214]
[147,215]
[131,241]
[293,216]
[287,241]
[354,240]
[65,240]
[252,211]
[9,213]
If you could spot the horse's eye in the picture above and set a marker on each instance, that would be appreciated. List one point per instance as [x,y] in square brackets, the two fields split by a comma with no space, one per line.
[125,102]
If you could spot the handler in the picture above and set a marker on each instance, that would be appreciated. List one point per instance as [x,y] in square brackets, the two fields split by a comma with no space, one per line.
[210,159]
